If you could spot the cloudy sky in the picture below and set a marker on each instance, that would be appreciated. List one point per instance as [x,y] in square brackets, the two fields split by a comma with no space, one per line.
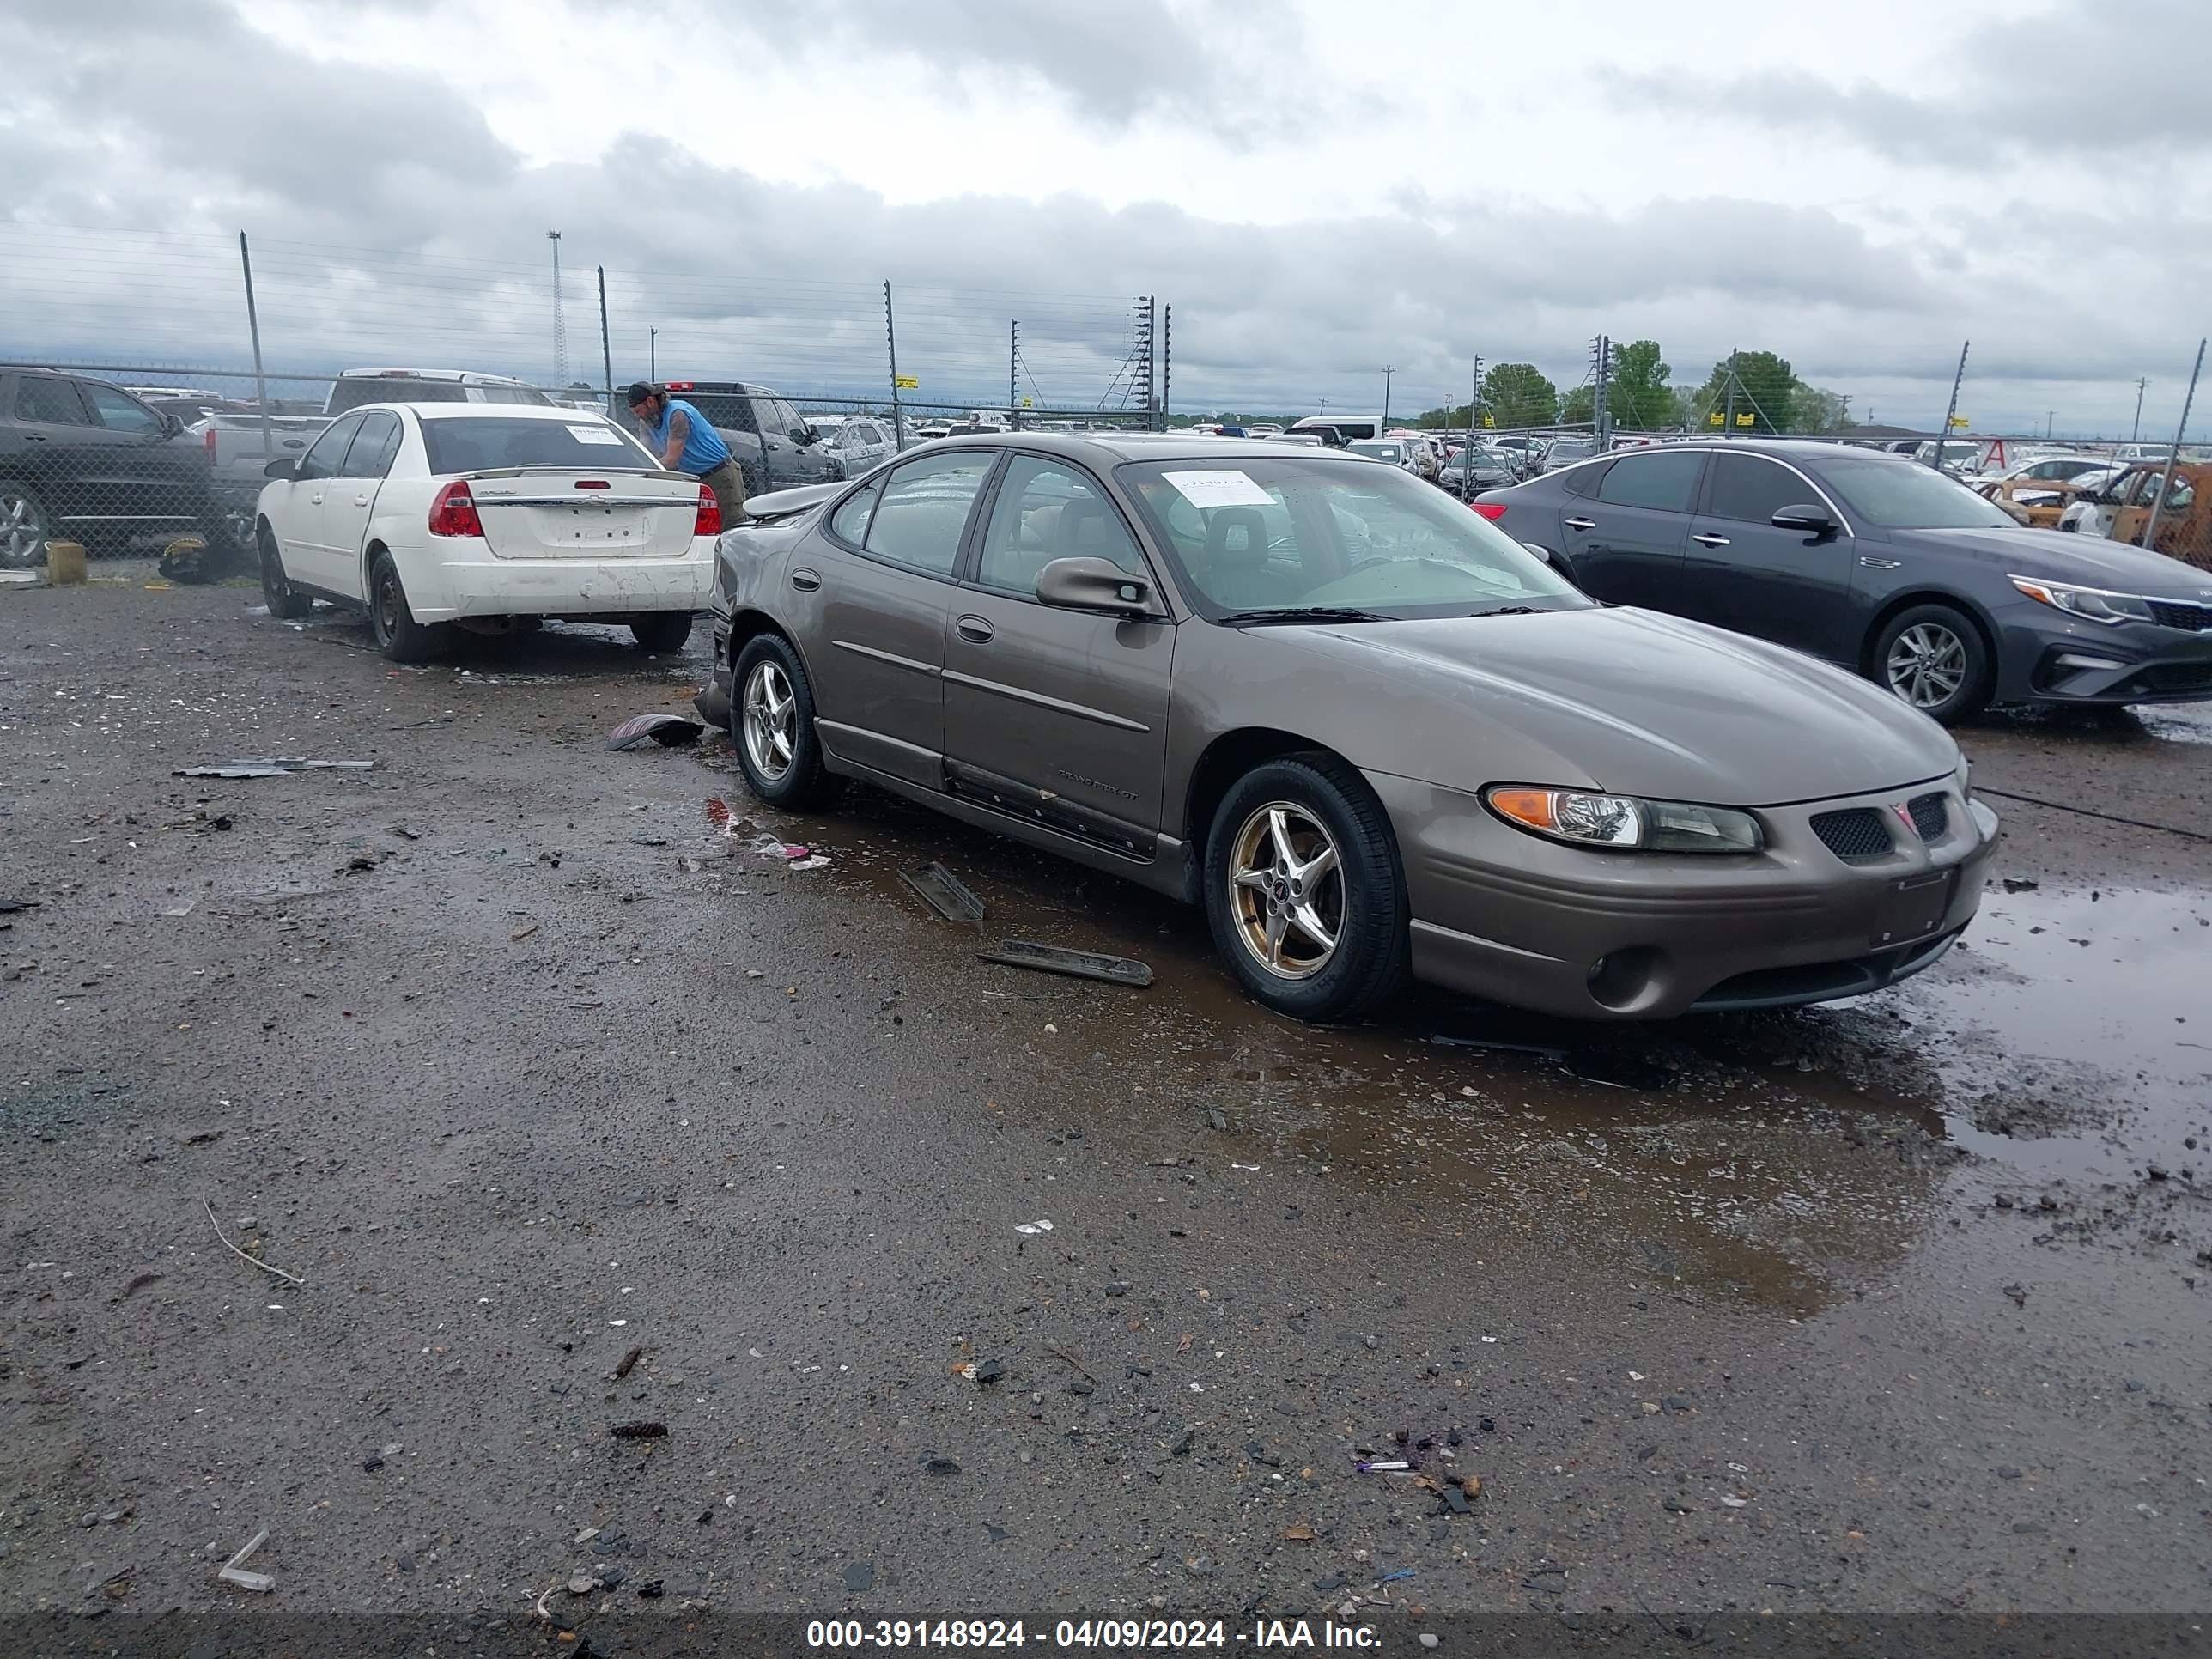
[1318,190]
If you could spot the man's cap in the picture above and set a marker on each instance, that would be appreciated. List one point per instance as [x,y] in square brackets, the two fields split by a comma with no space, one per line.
[640,391]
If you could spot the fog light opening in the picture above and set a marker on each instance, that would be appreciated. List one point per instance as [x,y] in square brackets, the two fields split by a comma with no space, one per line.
[1619,979]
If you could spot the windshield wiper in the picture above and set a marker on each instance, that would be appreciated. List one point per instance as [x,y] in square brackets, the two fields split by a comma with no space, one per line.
[1509,611]
[1310,613]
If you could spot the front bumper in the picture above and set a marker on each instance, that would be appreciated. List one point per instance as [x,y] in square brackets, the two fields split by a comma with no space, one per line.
[2046,656]
[561,588]
[1513,918]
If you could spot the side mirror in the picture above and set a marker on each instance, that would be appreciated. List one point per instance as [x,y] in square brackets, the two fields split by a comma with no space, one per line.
[173,424]
[1541,551]
[806,435]
[1813,521]
[1094,584]
[282,467]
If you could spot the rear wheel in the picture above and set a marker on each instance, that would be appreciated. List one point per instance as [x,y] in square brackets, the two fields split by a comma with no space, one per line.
[284,600]
[1303,890]
[398,635]
[772,724]
[24,527]
[1932,656]
[661,632]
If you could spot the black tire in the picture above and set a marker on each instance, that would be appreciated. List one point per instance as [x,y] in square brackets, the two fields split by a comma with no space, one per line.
[661,632]
[285,601]
[26,527]
[398,635]
[1955,675]
[1367,965]
[804,783]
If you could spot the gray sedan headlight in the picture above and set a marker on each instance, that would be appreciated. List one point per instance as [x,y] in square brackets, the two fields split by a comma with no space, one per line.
[2094,603]
[1624,823]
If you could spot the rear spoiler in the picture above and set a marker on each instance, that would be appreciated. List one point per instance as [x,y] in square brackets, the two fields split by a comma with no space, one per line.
[783,503]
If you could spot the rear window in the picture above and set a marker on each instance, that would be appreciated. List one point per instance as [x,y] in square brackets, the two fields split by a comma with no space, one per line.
[352,394]
[481,444]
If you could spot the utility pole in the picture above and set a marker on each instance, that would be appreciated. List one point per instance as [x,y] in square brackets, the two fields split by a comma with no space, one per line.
[2172,455]
[2049,416]
[1728,426]
[1466,449]
[2136,431]
[253,328]
[1013,375]
[1601,415]
[1957,381]
[653,354]
[560,317]
[1387,373]
[891,339]
[1167,361]
[606,346]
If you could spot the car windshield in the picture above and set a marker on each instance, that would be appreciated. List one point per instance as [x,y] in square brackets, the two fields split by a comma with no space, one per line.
[484,443]
[1902,495]
[1288,533]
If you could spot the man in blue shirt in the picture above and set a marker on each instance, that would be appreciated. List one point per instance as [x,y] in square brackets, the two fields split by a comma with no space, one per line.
[686,441]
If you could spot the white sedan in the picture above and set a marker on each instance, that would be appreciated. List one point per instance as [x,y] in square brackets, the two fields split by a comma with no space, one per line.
[437,516]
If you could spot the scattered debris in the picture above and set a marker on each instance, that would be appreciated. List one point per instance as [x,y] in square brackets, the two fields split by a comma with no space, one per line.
[941,1465]
[628,1363]
[582,1583]
[719,815]
[137,1284]
[182,909]
[639,1430]
[670,731]
[1384,1466]
[1034,1227]
[289,1278]
[1397,1577]
[1068,1356]
[274,767]
[2019,884]
[234,1571]
[943,893]
[522,933]
[404,832]
[860,1578]
[1082,965]
[1301,1533]
[814,862]
[1216,1118]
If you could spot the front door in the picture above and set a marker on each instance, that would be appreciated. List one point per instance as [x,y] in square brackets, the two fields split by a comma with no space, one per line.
[870,599]
[297,518]
[1624,542]
[1742,572]
[1060,715]
[349,497]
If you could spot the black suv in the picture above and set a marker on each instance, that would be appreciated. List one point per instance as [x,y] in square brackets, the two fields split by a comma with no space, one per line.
[771,441]
[82,460]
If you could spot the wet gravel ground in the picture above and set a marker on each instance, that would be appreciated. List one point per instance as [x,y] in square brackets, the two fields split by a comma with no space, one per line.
[563,1115]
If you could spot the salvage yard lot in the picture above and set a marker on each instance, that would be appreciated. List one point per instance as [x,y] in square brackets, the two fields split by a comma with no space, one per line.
[1890,1305]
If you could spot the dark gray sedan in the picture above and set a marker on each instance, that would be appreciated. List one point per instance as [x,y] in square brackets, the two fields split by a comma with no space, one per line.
[1375,737]
[1878,564]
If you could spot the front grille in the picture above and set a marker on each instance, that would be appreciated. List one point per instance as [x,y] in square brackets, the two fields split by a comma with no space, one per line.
[1853,835]
[2169,613]
[1931,817]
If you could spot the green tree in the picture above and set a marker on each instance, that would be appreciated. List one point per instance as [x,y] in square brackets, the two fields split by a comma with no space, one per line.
[1639,399]
[1519,396]
[1820,409]
[1766,391]
[1454,416]
[1581,406]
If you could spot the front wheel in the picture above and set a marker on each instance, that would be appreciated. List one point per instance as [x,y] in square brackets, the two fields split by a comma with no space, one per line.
[1303,892]
[285,601]
[772,724]
[1932,656]
[661,632]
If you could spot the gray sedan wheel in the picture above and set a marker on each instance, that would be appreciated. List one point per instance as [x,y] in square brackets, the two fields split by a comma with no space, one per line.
[24,528]
[1286,889]
[772,723]
[1932,657]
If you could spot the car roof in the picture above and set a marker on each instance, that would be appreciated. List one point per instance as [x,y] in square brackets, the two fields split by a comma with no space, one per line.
[489,411]
[1109,448]
[428,375]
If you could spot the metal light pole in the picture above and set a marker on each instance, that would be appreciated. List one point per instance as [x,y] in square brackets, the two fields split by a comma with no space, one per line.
[891,339]
[2172,455]
[606,346]
[1013,370]
[253,328]
[1387,373]
[1466,449]
[653,354]
[1728,426]
[2136,431]
[1957,381]
[560,319]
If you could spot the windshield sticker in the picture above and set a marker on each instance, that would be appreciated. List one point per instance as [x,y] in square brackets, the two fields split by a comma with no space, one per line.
[595,435]
[1229,488]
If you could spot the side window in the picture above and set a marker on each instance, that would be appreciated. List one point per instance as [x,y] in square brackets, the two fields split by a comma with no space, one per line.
[328,454]
[762,413]
[788,420]
[373,447]
[2182,494]
[50,402]
[849,523]
[1751,490]
[1047,511]
[119,411]
[924,509]
[1666,483]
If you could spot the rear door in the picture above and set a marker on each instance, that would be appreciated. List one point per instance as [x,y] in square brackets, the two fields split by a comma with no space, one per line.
[1057,713]
[1741,572]
[349,497]
[1624,542]
[870,595]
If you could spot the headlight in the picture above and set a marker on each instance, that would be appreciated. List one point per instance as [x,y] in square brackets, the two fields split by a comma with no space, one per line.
[1624,821]
[2093,603]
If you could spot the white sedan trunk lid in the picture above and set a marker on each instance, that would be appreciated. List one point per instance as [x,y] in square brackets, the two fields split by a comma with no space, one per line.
[548,512]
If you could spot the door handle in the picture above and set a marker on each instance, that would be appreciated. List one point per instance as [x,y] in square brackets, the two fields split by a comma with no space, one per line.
[1880,564]
[360,500]
[975,628]
[806,580]
[315,501]
[1708,539]
[34,437]
[1580,524]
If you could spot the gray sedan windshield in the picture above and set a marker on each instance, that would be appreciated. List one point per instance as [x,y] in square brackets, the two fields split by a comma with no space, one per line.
[1284,533]
[1902,495]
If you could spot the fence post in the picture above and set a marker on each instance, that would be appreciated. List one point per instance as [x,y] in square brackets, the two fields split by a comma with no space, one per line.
[606,347]
[1013,375]
[2172,455]
[1957,381]
[1466,449]
[1167,361]
[253,328]
[891,338]
[1600,412]
[1151,362]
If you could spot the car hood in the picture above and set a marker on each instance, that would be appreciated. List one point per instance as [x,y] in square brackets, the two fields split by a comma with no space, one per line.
[1625,700]
[2089,560]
